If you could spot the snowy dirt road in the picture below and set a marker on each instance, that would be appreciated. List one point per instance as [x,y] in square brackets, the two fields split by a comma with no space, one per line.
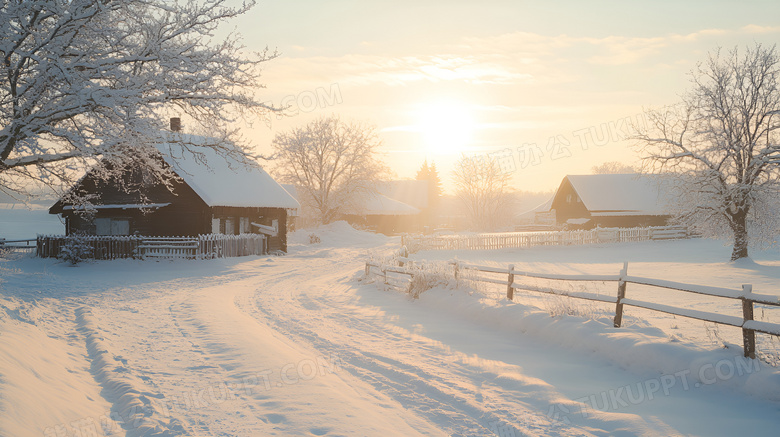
[297,346]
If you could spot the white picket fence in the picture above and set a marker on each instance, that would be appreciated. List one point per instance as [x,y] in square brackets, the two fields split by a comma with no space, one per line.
[118,246]
[415,243]
[223,246]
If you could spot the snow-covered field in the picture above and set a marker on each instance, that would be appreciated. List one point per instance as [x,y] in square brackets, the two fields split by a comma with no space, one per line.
[20,222]
[298,345]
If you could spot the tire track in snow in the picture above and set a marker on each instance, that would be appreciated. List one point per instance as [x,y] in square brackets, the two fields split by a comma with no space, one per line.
[464,395]
[244,347]
[443,391]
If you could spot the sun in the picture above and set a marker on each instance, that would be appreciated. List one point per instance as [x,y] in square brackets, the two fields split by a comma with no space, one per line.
[446,127]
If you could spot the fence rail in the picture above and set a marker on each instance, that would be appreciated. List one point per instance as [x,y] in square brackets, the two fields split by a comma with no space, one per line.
[416,243]
[17,245]
[145,247]
[744,321]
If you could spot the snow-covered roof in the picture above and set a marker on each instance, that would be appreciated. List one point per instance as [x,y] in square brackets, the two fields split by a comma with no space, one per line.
[412,192]
[116,206]
[223,181]
[620,194]
[542,207]
[290,188]
[379,204]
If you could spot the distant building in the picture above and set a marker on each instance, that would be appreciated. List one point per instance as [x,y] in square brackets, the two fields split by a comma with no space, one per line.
[215,195]
[610,200]
[411,192]
[380,213]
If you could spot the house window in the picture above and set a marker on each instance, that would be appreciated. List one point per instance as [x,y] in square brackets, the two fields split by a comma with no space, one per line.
[243,225]
[112,226]
[214,225]
[568,198]
[230,226]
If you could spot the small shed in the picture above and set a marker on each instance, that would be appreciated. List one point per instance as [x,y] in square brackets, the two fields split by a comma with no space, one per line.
[611,200]
[216,194]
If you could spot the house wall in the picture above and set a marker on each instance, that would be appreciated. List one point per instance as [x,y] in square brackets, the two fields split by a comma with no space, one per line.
[387,224]
[567,204]
[187,214]
[263,216]
[630,221]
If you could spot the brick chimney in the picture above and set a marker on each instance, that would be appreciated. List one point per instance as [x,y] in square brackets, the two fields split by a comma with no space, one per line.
[175,124]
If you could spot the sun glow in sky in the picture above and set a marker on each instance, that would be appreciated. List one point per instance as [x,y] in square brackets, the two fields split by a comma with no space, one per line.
[542,81]
[447,127]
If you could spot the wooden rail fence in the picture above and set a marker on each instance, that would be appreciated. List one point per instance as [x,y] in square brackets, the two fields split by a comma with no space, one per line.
[746,295]
[416,243]
[144,247]
[17,245]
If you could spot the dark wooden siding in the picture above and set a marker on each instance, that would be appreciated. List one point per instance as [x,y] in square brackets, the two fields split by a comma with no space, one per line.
[567,203]
[187,214]
[631,221]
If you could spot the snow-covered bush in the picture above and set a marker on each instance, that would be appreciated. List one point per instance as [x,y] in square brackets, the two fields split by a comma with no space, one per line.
[75,249]
[430,276]
[566,306]
[314,238]
[413,244]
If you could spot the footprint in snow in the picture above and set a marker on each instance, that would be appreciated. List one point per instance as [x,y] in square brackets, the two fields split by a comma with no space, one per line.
[275,418]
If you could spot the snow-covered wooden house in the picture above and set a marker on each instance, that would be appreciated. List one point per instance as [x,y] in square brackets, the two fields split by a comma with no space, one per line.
[610,200]
[216,194]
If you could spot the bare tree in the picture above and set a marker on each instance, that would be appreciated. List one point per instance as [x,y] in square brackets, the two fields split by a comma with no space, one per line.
[721,142]
[482,187]
[334,163]
[613,167]
[85,79]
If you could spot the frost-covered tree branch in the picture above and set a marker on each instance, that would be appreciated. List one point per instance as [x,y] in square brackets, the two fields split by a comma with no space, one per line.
[84,79]
[721,141]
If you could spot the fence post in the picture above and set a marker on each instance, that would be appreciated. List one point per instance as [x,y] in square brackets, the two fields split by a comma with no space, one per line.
[620,295]
[510,292]
[368,268]
[455,263]
[748,335]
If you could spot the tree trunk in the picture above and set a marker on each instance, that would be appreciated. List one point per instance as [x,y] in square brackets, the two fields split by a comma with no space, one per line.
[739,227]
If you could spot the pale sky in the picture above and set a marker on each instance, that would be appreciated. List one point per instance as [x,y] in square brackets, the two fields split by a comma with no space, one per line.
[547,85]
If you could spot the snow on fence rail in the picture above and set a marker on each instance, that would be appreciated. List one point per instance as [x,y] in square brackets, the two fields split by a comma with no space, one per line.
[17,245]
[416,243]
[745,295]
[133,246]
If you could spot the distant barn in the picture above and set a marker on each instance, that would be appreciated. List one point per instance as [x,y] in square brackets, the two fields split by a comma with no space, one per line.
[610,200]
[216,194]
[384,214]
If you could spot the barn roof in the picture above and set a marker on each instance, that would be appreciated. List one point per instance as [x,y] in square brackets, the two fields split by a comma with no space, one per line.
[410,192]
[379,204]
[223,180]
[620,194]
[293,191]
